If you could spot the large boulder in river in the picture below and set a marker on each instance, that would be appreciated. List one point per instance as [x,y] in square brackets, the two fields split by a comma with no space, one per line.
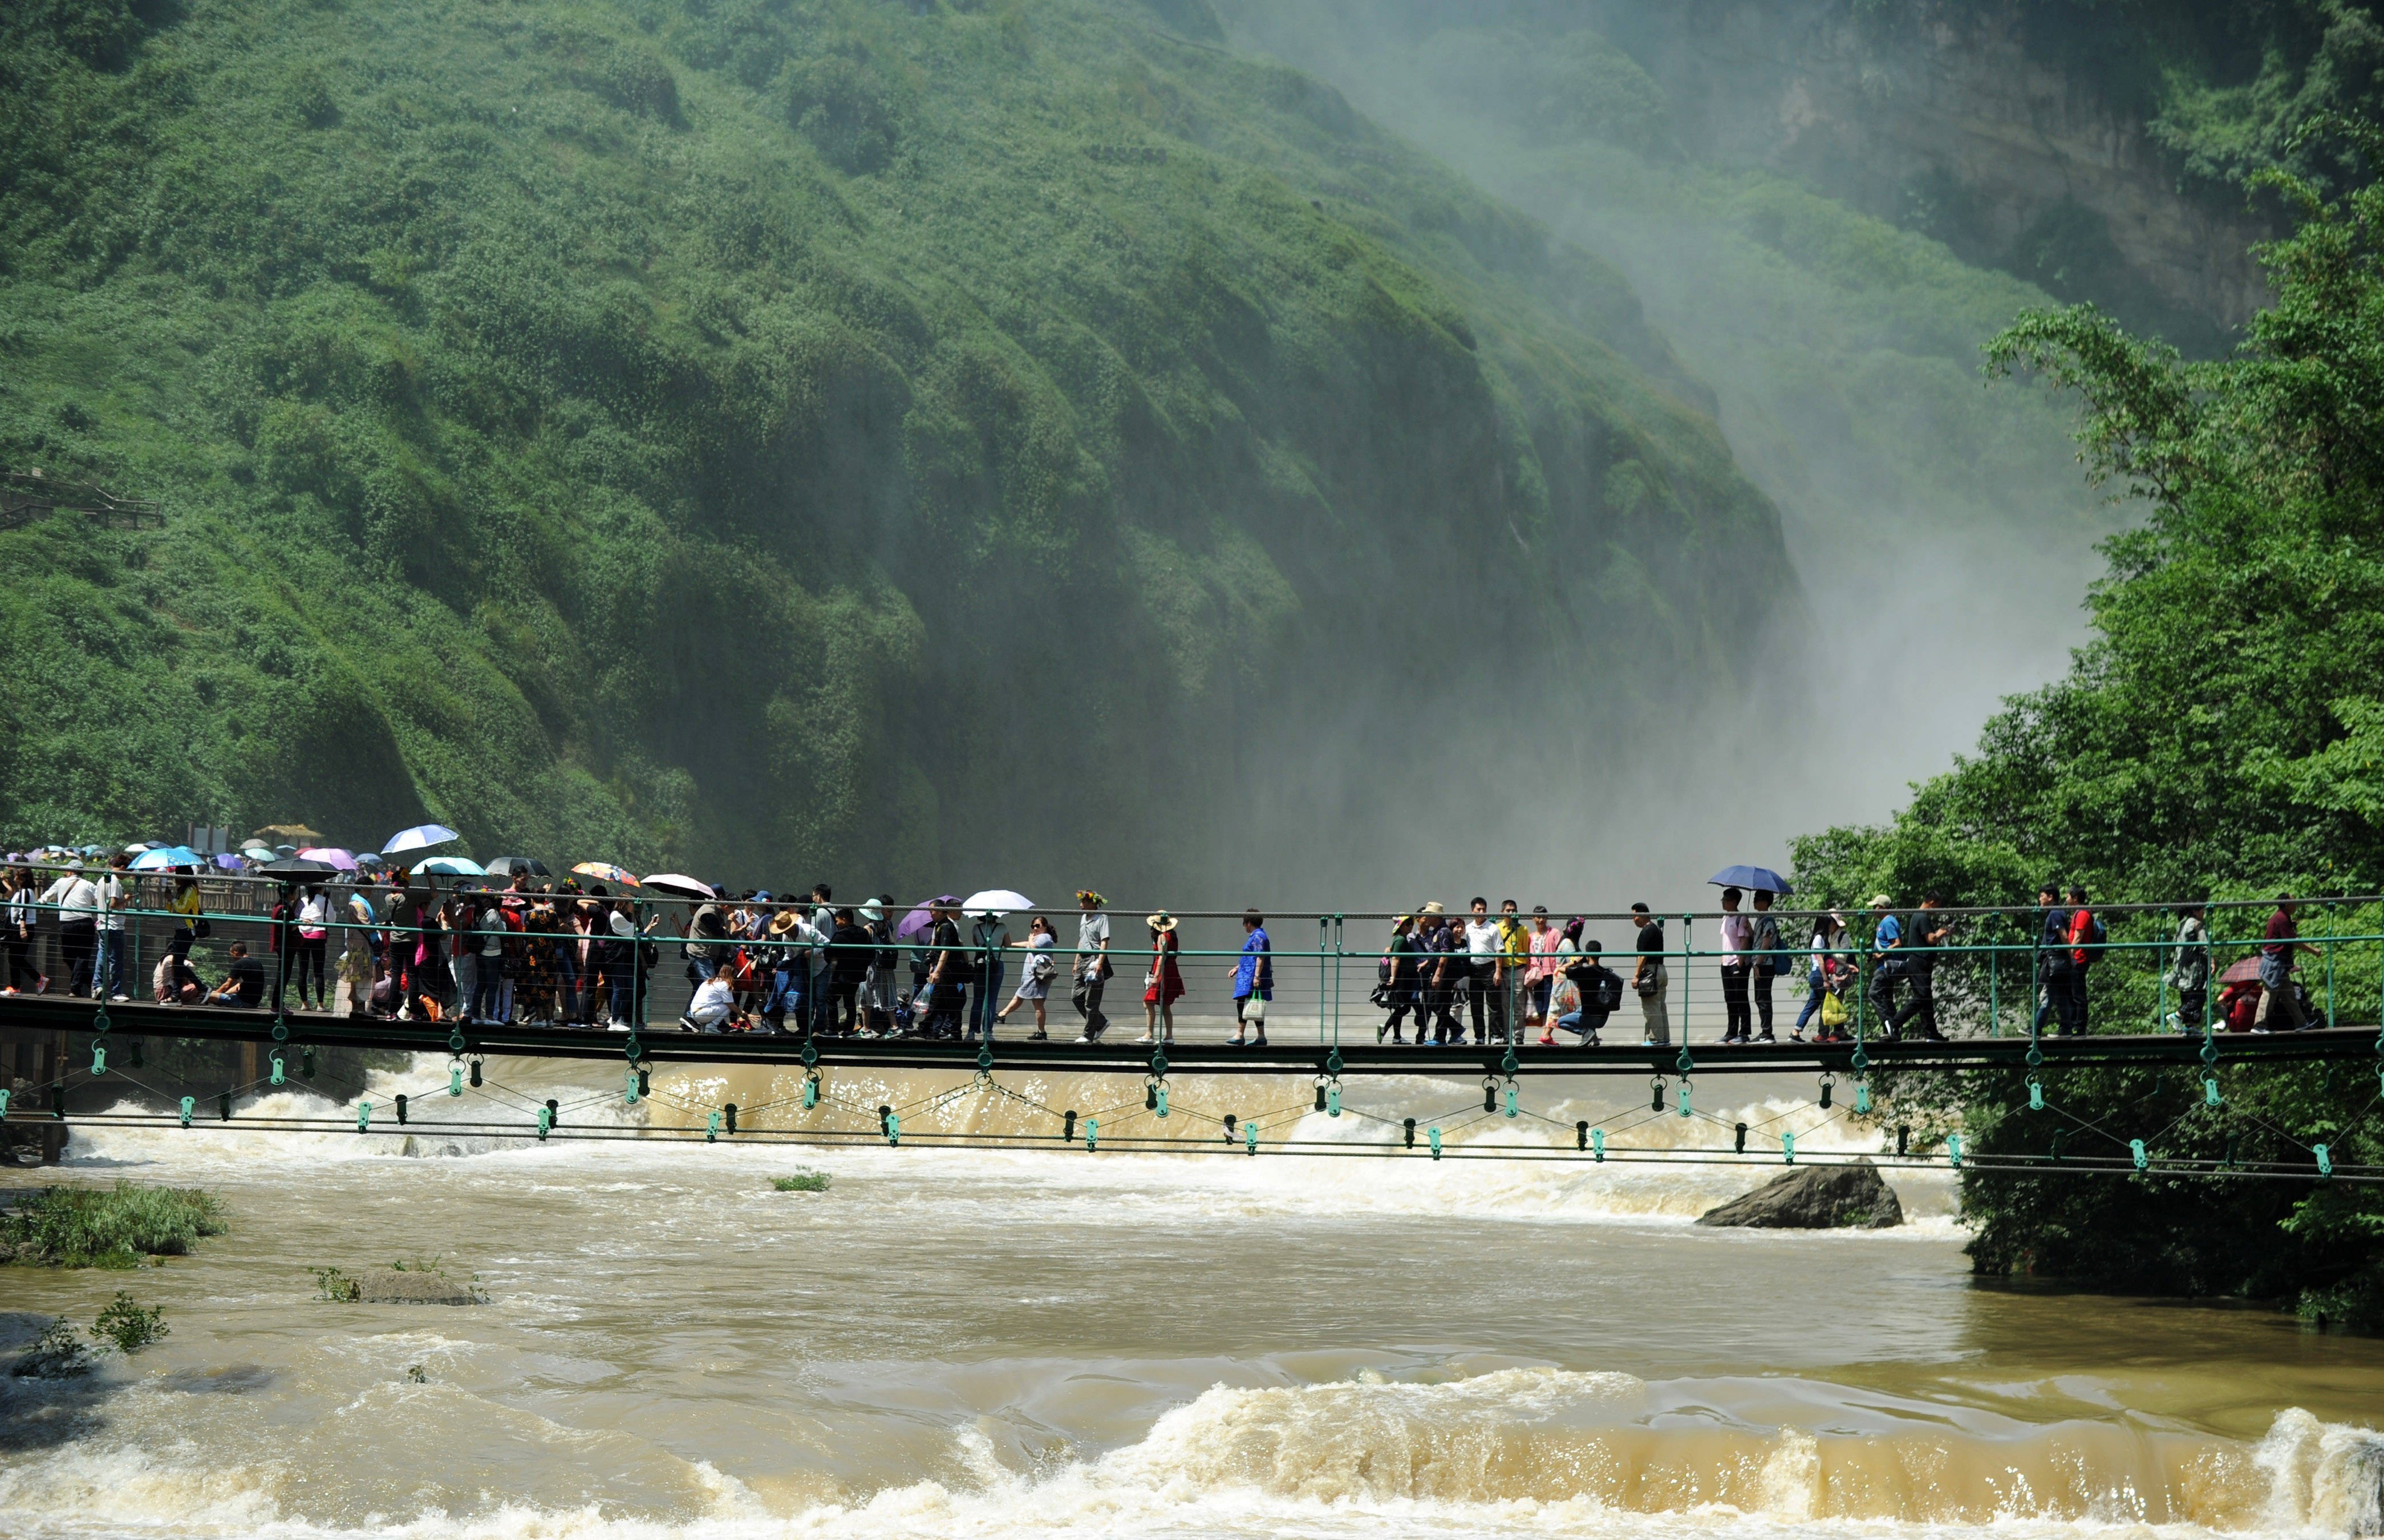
[410,1286]
[1814,1198]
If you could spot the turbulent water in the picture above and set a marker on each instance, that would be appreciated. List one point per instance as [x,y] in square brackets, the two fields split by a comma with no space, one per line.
[1047,1340]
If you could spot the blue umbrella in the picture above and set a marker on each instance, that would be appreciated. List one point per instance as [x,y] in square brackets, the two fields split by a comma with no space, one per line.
[419,837]
[1762,879]
[172,856]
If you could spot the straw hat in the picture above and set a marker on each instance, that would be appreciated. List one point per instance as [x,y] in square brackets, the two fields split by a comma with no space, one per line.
[1162,921]
[784,920]
[1433,908]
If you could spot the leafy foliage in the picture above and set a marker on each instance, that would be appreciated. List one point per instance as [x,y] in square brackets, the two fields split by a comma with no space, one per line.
[130,1326]
[2218,737]
[744,431]
[108,1226]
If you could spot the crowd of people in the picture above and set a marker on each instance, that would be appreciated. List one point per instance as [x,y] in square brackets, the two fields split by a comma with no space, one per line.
[543,953]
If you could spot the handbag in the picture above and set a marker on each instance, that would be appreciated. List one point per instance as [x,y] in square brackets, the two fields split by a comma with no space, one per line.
[1833,1011]
[201,929]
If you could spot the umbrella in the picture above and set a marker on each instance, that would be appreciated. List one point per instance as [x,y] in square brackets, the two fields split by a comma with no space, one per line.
[1763,879]
[330,855]
[229,861]
[517,866]
[2242,973]
[366,858]
[300,866]
[257,847]
[919,921]
[138,846]
[997,901]
[158,857]
[672,882]
[604,871]
[419,837]
[450,867]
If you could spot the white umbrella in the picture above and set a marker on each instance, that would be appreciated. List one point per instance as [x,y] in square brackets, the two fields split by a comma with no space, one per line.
[995,900]
[672,882]
[419,837]
[451,866]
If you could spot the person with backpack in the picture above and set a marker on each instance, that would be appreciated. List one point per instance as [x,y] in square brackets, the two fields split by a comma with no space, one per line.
[1596,994]
[1771,962]
[2189,970]
[849,952]
[1444,974]
[2086,936]
[2053,964]
[877,987]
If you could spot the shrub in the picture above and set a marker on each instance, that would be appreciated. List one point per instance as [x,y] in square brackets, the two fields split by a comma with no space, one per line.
[95,1227]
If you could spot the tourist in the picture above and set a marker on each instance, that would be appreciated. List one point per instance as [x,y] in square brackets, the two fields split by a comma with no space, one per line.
[1481,953]
[1649,979]
[2189,972]
[2053,967]
[189,922]
[849,953]
[1771,960]
[244,985]
[1547,946]
[1164,985]
[713,1001]
[1737,940]
[114,898]
[19,930]
[1514,959]
[486,942]
[877,984]
[624,1011]
[1401,994]
[2085,950]
[1443,970]
[706,944]
[987,939]
[2280,1006]
[1887,940]
[1093,969]
[1253,980]
[789,970]
[946,986]
[1924,932]
[77,903]
[314,946]
[1820,955]
[1597,993]
[1034,975]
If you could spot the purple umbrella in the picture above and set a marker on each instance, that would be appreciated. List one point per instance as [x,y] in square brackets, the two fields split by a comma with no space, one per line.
[230,863]
[920,920]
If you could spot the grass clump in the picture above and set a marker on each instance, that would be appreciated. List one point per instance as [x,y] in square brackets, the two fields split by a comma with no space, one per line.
[801,1181]
[107,1227]
[124,1325]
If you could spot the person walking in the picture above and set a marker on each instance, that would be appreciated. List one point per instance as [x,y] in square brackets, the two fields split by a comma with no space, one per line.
[1093,968]
[314,946]
[2189,970]
[1887,941]
[77,903]
[948,971]
[1036,971]
[850,950]
[18,935]
[1925,932]
[2280,1006]
[1447,965]
[1401,995]
[1649,979]
[1253,980]
[1163,986]
[1820,952]
[1737,943]
[878,984]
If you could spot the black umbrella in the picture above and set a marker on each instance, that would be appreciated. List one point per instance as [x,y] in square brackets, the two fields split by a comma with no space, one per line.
[300,866]
[517,866]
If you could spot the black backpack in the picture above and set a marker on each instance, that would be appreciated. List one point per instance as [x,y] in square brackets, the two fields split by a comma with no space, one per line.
[1609,990]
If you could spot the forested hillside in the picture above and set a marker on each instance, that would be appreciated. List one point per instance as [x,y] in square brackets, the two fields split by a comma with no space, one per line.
[784,437]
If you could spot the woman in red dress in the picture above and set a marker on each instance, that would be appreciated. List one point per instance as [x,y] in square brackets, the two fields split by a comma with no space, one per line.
[1163,986]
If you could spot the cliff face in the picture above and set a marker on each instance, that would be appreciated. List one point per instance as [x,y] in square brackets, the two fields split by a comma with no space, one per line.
[1942,114]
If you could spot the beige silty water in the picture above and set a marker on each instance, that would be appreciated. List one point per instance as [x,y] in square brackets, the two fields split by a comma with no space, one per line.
[1050,1341]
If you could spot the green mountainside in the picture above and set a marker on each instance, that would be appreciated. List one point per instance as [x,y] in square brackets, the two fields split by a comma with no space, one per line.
[882,438]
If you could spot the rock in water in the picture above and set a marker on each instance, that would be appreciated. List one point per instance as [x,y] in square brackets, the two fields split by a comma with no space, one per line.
[392,1285]
[1814,1198]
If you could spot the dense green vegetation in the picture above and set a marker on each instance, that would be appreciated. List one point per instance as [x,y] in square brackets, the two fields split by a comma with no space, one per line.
[2221,736]
[792,437]
[108,1226]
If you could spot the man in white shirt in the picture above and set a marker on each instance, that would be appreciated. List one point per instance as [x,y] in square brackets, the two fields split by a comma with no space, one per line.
[1092,963]
[77,906]
[1483,949]
[113,899]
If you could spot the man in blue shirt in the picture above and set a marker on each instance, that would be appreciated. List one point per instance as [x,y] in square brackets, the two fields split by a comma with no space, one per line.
[2054,967]
[1253,980]
[1885,939]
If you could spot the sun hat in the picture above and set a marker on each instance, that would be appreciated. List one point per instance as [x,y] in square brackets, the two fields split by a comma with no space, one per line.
[784,920]
[1433,908]
[1162,921]
[873,910]
[1881,901]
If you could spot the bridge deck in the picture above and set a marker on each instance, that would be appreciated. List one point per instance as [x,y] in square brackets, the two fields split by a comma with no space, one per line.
[1118,1053]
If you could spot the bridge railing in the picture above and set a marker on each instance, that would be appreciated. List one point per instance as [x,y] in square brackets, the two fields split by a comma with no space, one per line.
[1988,979]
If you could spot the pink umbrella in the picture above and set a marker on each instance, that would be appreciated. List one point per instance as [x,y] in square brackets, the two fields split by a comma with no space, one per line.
[330,854]
[919,921]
